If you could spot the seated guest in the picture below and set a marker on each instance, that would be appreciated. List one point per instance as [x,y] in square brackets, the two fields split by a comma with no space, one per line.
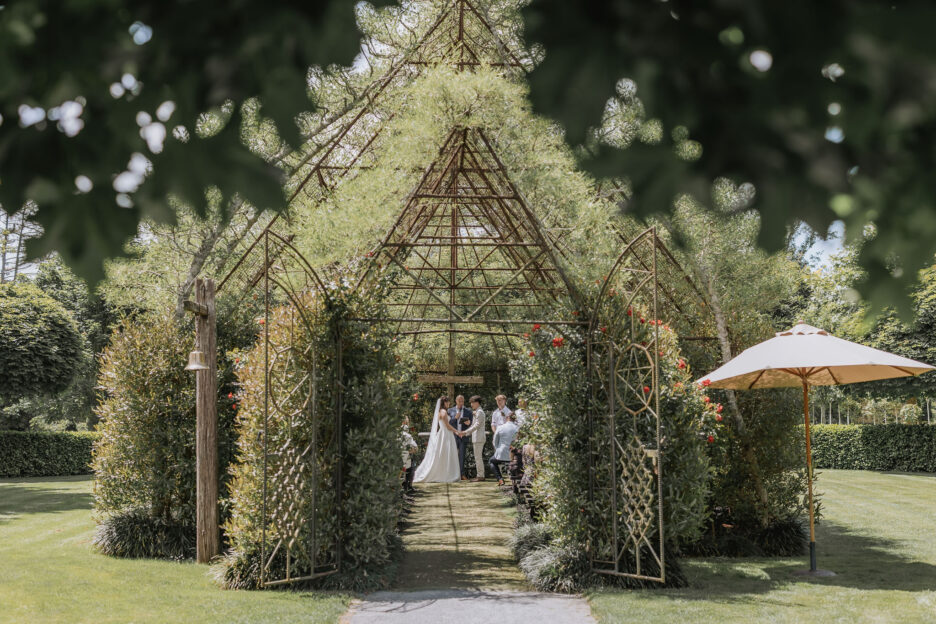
[503,438]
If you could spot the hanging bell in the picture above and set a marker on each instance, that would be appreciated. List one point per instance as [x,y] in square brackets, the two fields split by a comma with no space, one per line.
[196,361]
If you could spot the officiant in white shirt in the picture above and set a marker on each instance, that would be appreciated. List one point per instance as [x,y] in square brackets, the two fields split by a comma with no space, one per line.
[478,435]
[499,416]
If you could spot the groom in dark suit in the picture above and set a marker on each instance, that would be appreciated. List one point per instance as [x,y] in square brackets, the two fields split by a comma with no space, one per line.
[460,418]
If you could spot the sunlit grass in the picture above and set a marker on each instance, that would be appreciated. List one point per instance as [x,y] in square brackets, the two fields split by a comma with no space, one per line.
[877,536]
[49,571]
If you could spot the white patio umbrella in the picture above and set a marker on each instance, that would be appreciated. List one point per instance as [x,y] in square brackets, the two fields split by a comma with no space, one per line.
[807,356]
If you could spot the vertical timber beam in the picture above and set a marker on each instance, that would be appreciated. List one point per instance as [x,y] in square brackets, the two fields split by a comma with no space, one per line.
[206,436]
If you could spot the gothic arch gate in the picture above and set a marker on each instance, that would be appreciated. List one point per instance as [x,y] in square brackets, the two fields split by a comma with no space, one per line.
[302,439]
[625,463]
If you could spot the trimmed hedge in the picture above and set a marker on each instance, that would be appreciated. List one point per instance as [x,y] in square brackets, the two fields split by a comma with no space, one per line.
[904,448]
[45,453]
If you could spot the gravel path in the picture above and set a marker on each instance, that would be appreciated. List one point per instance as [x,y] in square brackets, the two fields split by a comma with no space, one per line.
[457,567]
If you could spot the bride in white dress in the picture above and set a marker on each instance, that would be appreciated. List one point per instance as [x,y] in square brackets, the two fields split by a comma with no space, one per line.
[440,465]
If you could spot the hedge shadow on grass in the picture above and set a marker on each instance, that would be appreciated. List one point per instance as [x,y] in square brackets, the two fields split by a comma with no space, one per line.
[860,561]
[20,498]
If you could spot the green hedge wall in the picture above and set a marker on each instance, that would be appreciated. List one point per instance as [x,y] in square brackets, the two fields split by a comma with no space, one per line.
[905,448]
[45,453]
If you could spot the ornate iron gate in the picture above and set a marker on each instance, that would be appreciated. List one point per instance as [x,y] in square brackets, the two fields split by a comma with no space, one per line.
[626,488]
[302,428]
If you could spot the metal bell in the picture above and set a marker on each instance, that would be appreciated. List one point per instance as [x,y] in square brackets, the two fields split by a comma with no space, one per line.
[196,361]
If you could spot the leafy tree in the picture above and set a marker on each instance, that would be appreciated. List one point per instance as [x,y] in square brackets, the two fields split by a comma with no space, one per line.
[73,407]
[826,109]
[745,287]
[40,346]
[15,229]
[787,97]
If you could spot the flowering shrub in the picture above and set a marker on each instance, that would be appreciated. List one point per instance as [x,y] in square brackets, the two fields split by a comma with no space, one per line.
[556,381]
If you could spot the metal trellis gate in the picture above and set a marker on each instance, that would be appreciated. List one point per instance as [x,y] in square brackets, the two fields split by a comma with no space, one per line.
[301,437]
[625,464]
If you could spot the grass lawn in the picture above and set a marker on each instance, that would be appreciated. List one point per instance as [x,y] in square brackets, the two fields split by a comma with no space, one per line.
[49,571]
[877,535]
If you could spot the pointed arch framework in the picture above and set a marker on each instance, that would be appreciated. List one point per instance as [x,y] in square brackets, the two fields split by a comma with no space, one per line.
[469,255]
[348,140]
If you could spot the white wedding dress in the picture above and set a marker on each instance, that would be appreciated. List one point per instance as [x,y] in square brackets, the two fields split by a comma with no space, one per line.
[440,465]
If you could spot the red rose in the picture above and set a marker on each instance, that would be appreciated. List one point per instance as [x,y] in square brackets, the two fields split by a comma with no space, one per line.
[646,389]
[526,335]
[536,327]
[719,408]
[678,384]
[230,395]
[558,341]
[630,312]
[719,418]
[706,383]
[682,363]
[661,354]
[666,327]
[711,439]
[234,406]
[237,360]
[643,320]
[370,254]
[706,399]
[532,353]
[416,396]
[575,313]
[262,321]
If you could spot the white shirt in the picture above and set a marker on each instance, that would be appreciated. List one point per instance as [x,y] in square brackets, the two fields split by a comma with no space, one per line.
[499,417]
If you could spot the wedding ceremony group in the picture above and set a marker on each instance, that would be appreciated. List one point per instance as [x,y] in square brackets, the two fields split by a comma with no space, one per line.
[444,459]
[467,311]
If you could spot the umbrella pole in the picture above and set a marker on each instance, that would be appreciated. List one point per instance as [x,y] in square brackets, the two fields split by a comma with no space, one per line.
[812,521]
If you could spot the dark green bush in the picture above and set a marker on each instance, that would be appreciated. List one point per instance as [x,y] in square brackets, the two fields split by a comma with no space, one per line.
[781,538]
[145,458]
[135,533]
[40,346]
[45,453]
[904,448]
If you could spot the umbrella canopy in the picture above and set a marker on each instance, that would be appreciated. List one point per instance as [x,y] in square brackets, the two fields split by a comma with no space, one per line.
[809,354]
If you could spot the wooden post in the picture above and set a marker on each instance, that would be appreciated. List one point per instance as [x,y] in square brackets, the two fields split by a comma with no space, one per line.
[207,544]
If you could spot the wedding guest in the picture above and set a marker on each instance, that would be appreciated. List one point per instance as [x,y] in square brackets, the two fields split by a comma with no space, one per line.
[409,447]
[521,412]
[478,436]
[503,438]
[499,416]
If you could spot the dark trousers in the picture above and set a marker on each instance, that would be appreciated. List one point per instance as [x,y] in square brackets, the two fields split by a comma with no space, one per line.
[495,465]
[408,478]
[462,444]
